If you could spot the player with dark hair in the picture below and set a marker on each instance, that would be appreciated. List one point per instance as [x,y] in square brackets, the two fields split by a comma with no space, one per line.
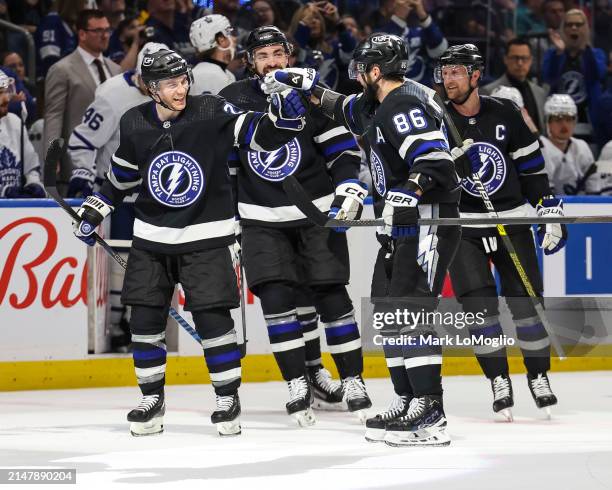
[283,251]
[506,156]
[184,226]
[412,171]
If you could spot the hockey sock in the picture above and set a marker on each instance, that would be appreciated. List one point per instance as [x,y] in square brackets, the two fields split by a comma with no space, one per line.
[492,357]
[422,361]
[341,331]
[221,352]
[309,321]
[284,329]
[148,329]
[534,343]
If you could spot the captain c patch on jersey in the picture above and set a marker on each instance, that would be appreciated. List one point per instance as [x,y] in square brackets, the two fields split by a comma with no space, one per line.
[492,171]
[278,164]
[175,179]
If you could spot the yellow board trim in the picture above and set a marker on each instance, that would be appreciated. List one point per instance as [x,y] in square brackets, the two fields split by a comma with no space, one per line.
[117,370]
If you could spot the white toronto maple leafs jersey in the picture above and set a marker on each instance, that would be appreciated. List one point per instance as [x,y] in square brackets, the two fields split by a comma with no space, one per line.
[566,169]
[93,142]
[210,77]
[10,154]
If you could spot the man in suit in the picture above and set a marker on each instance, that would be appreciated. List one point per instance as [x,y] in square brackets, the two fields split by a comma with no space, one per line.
[71,82]
[518,60]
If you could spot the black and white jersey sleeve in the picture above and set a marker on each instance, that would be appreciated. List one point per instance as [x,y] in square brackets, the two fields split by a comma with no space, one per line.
[525,152]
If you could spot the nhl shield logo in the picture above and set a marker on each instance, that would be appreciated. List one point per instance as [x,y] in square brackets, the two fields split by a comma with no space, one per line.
[492,171]
[378,173]
[278,164]
[175,179]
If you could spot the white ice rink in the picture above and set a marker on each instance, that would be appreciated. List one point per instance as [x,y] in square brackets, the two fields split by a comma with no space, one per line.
[86,430]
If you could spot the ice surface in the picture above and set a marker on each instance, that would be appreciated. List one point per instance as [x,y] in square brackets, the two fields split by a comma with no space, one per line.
[86,430]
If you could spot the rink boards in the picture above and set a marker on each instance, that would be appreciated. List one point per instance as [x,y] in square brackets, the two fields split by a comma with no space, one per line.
[48,325]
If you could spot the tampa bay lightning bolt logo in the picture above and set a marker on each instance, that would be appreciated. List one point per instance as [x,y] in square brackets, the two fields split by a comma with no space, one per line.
[378,173]
[175,179]
[278,164]
[492,171]
[573,84]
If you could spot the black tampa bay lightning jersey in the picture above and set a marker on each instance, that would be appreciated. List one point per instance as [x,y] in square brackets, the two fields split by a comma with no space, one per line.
[321,156]
[185,202]
[512,168]
[405,135]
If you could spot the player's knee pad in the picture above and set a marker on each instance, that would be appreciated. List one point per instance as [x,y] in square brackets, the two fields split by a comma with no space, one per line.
[480,300]
[148,320]
[213,323]
[332,302]
[521,307]
[276,297]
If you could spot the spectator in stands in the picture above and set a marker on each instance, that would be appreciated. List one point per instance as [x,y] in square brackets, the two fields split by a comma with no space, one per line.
[114,10]
[19,165]
[20,94]
[518,60]
[530,18]
[327,54]
[569,161]
[14,61]
[425,40]
[170,27]
[602,23]
[553,13]
[574,67]
[55,36]
[125,42]
[351,25]
[72,81]
[267,14]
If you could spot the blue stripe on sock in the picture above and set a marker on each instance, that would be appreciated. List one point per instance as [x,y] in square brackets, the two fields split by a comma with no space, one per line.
[230,356]
[145,355]
[343,330]
[284,328]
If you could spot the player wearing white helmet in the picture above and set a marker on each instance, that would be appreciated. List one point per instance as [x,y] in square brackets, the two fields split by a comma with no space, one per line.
[513,94]
[214,39]
[19,171]
[569,161]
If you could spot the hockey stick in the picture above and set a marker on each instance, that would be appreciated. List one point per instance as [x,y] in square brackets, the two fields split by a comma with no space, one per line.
[300,198]
[501,229]
[54,153]
[243,295]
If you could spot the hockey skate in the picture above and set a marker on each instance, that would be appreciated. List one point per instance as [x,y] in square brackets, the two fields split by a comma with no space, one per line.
[423,425]
[375,426]
[227,415]
[300,400]
[542,394]
[148,417]
[327,392]
[356,396]
[503,398]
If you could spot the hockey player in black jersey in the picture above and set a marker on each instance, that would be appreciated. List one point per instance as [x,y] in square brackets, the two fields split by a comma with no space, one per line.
[413,175]
[507,157]
[176,148]
[281,250]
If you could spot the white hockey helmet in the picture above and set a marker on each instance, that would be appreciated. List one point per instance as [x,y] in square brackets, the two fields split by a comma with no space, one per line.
[203,31]
[560,105]
[505,92]
[148,48]
[7,83]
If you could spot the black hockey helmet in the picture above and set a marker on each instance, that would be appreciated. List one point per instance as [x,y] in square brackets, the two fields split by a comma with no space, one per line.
[266,36]
[467,55]
[164,64]
[388,51]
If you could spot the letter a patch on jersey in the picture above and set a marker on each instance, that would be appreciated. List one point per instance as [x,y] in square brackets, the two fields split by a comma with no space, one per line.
[379,136]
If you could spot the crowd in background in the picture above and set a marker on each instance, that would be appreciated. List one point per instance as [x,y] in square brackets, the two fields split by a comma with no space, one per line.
[539,47]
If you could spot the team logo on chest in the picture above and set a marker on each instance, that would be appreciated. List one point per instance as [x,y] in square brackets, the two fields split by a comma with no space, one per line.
[278,164]
[378,173]
[175,179]
[492,171]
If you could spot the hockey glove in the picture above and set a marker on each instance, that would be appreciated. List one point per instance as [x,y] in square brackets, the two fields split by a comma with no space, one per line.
[92,212]
[401,213]
[33,188]
[304,79]
[348,201]
[287,110]
[551,237]
[467,159]
[81,183]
